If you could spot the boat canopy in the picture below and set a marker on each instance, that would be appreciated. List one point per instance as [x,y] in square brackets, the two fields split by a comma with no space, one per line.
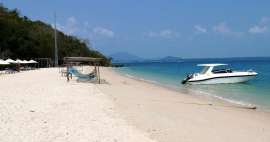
[211,65]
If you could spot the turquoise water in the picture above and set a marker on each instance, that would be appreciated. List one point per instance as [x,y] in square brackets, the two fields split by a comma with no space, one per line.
[255,92]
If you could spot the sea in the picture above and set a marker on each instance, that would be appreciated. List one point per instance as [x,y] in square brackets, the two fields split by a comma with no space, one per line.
[256,92]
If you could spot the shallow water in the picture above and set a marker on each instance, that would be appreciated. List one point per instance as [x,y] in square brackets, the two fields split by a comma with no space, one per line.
[255,92]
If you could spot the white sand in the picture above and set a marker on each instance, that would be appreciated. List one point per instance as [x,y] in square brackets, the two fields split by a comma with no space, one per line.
[169,116]
[40,106]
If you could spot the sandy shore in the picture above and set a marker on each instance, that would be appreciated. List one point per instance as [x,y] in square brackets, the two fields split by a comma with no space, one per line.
[169,116]
[40,106]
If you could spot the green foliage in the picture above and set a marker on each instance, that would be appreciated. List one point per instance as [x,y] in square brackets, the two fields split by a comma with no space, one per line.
[25,39]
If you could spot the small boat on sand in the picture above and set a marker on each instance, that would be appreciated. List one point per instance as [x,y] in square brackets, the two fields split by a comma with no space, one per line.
[209,75]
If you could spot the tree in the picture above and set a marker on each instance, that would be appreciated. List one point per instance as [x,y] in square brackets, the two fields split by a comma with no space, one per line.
[23,38]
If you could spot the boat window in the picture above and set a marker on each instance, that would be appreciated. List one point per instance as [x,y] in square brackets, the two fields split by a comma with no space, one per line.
[222,71]
[205,69]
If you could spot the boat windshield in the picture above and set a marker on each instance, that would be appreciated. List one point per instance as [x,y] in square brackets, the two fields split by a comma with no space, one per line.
[222,71]
[205,69]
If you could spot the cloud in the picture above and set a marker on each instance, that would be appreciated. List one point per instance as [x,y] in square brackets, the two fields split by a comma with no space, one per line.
[167,33]
[223,29]
[59,27]
[258,29]
[83,29]
[70,27]
[261,27]
[102,32]
[200,29]
[265,20]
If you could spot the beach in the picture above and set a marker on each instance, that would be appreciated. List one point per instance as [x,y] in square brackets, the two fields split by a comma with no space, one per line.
[171,116]
[40,105]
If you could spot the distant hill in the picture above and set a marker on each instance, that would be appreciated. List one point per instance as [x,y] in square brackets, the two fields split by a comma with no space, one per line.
[23,38]
[170,59]
[124,57]
[165,59]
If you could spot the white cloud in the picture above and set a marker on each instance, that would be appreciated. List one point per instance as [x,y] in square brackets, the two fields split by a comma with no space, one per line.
[258,29]
[83,29]
[104,32]
[224,29]
[167,33]
[200,29]
[265,20]
[70,27]
[261,27]
[59,27]
[163,34]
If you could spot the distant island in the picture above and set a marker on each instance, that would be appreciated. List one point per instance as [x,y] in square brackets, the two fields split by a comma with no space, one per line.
[23,38]
[167,59]
[124,57]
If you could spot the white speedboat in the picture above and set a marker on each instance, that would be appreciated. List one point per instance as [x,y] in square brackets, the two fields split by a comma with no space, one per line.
[209,75]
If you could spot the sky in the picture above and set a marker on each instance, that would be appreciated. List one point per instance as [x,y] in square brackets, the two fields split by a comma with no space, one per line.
[158,28]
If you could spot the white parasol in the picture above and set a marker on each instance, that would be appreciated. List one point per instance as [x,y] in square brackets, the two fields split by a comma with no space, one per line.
[32,62]
[10,61]
[2,62]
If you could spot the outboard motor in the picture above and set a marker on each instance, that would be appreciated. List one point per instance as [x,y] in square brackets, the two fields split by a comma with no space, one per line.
[189,76]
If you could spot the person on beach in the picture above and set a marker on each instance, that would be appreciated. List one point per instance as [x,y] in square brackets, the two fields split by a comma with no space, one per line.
[18,67]
[69,74]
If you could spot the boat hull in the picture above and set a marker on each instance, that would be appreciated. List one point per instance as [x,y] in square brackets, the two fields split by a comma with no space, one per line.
[223,80]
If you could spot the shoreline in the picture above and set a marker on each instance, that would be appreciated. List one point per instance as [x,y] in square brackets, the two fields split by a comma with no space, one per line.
[196,93]
[167,115]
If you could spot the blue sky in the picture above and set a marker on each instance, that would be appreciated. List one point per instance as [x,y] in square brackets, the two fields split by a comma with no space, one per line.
[156,28]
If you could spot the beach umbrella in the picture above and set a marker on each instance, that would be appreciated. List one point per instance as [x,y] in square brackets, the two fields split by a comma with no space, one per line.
[2,62]
[32,62]
[10,61]
[18,61]
[25,62]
